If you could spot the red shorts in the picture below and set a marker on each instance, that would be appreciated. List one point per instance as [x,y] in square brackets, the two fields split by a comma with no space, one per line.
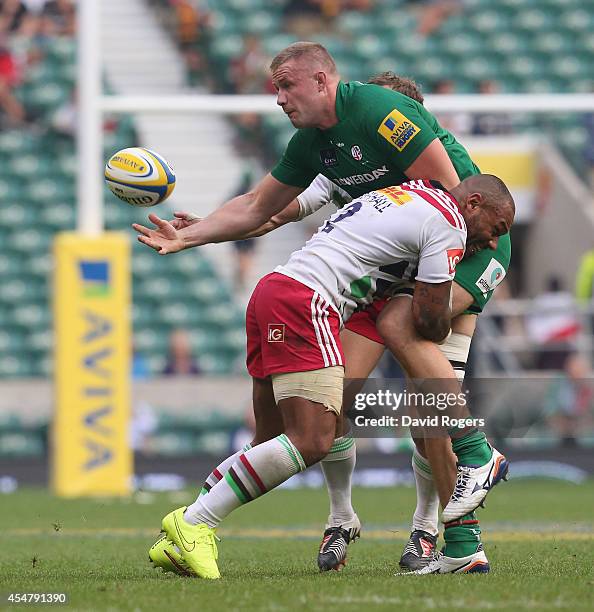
[364,321]
[290,328]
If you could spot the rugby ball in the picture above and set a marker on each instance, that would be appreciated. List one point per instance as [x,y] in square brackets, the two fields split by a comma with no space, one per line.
[139,176]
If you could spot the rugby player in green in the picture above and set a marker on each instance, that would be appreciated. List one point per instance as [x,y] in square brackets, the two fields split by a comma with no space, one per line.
[475,281]
[371,126]
[476,278]
[362,137]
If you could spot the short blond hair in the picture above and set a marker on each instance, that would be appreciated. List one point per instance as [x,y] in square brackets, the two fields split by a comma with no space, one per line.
[317,53]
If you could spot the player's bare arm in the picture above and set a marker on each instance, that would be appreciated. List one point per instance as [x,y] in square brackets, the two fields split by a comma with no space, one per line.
[232,221]
[431,310]
[434,162]
[461,300]
[242,214]
[287,215]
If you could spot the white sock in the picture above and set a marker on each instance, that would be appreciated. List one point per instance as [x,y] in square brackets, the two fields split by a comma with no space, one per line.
[427,511]
[221,469]
[252,474]
[338,466]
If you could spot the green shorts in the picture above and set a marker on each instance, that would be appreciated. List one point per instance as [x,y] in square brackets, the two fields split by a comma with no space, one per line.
[481,273]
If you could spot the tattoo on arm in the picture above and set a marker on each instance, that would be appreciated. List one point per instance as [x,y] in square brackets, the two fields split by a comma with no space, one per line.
[432,313]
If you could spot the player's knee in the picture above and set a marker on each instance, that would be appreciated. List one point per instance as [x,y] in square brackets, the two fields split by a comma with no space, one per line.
[314,446]
[392,332]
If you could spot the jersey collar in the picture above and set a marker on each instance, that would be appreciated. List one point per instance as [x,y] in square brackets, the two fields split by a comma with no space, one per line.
[438,185]
[341,95]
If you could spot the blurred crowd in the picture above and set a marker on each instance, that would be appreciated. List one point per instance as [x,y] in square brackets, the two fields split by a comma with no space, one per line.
[247,73]
[25,27]
[484,124]
[37,18]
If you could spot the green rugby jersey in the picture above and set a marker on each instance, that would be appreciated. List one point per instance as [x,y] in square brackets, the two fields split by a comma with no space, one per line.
[379,134]
[482,272]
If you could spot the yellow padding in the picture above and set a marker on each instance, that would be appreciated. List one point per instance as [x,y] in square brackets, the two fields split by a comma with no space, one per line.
[323,386]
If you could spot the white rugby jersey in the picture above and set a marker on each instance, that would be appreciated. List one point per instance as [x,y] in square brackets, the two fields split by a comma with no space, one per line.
[414,231]
[322,191]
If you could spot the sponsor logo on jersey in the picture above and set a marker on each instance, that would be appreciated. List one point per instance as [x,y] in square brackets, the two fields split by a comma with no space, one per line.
[454,256]
[398,130]
[356,153]
[276,332]
[396,195]
[357,179]
[491,277]
[328,157]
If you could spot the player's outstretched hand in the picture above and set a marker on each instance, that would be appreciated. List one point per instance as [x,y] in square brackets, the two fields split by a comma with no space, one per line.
[165,239]
[183,219]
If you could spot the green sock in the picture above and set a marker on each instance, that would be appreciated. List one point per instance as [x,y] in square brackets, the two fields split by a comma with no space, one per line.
[462,536]
[472,448]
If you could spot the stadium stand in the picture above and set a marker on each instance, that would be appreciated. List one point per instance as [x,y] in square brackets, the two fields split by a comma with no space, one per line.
[525,46]
[37,188]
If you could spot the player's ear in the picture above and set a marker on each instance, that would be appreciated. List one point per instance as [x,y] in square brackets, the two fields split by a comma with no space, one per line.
[321,80]
[475,199]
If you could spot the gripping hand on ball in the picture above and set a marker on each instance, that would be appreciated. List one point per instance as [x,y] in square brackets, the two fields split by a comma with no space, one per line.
[165,239]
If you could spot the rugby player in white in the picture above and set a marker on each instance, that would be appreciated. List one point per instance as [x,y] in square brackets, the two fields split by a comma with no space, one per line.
[363,348]
[293,320]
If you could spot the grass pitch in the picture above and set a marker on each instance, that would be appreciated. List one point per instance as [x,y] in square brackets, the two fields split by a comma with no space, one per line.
[538,537]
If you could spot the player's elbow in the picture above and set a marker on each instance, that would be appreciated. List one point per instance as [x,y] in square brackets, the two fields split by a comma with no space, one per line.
[434,332]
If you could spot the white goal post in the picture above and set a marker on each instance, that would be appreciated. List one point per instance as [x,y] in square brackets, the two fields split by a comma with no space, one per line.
[234,105]
[93,105]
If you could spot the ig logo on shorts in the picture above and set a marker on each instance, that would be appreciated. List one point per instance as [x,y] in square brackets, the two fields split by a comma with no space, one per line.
[276,332]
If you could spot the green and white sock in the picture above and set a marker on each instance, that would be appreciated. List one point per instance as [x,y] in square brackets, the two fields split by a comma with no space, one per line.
[219,472]
[462,536]
[253,473]
[472,448]
[338,466]
[426,516]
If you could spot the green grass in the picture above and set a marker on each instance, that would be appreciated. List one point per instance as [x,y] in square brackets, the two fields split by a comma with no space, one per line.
[538,536]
